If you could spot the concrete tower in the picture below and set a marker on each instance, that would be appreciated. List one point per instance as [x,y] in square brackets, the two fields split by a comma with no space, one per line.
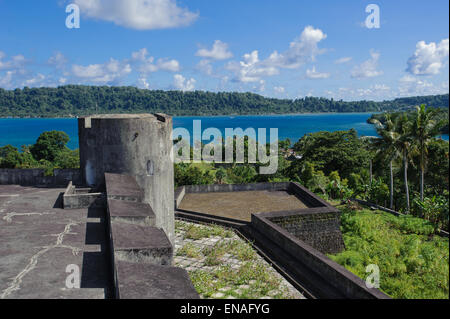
[139,145]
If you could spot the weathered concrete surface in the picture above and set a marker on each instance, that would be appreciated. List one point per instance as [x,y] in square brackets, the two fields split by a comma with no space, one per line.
[84,198]
[139,145]
[131,212]
[161,282]
[39,240]
[239,205]
[142,244]
[123,187]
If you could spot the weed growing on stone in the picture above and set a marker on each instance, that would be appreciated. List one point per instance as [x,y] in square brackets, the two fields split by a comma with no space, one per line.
[189,250]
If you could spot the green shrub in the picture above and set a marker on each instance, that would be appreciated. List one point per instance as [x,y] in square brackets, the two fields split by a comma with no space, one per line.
[413,263]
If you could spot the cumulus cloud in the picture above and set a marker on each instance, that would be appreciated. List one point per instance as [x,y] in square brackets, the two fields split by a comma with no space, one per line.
[428,59]
[143,83]
[15,71]
[368,69]
[205,66]
[343,60]
[302,50]
[251,69]
[138,14]
[146,64]
[6,81]
[183,84]
[16,62]
[313,74]
[219,51]
[58,60]
[413,86]
[19,71]
[279,89]
[376,92]
[110,72]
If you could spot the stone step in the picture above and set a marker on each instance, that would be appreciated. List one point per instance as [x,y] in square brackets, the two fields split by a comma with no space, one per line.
[131,212]
[144,244]
[146,281]
[123,187]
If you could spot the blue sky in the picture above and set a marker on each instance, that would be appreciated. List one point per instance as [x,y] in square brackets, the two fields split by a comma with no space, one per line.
[284,49]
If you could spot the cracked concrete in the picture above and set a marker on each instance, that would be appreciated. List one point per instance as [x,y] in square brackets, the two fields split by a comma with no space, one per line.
[38,240]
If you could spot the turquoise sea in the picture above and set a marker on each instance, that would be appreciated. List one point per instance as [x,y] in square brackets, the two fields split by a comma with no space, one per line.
[18,132]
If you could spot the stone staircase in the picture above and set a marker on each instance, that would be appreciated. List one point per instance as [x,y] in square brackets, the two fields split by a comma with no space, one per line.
[141,253]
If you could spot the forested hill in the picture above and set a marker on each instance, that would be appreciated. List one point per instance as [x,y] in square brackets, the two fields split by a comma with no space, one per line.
[75,100]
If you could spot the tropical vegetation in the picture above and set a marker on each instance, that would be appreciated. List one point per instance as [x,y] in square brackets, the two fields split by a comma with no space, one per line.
[77,100]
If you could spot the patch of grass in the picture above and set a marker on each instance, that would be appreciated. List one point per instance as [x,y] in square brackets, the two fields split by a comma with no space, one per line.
[252,280]
[236,248]
[197,232]
[189,250]
[413,263]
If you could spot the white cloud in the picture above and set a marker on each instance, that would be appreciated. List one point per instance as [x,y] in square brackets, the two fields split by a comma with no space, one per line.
[7,80]
[110,72]
[279,89]
[302,50]
[219,51]
[16,62]
[142,83]
[138,14]
[413,86]
[35,81]
[343,60]
[251,69]
[58,60]
[168,65]
[375,92]
[313,74]
[205,67]
[368,68]
[146,64]
[428,58]
[181,83]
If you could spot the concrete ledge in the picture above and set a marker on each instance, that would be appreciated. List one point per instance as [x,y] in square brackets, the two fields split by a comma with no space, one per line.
[131,212]
[308,197]
[144,281]
[82,199]
[123,187]
[141,244]
[236,187]
[179,195]
[346,283]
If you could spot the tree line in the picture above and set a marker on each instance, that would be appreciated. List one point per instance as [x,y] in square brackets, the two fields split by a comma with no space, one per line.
[79,100]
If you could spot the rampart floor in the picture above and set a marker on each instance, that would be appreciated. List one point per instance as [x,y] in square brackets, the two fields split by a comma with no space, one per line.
[39,240]
[240,205]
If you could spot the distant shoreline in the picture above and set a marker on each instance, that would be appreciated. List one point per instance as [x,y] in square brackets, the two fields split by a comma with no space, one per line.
[185,116]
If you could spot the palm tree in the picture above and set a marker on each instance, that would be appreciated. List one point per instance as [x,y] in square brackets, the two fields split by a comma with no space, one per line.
[404,143]
[386,148]
[425,127]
